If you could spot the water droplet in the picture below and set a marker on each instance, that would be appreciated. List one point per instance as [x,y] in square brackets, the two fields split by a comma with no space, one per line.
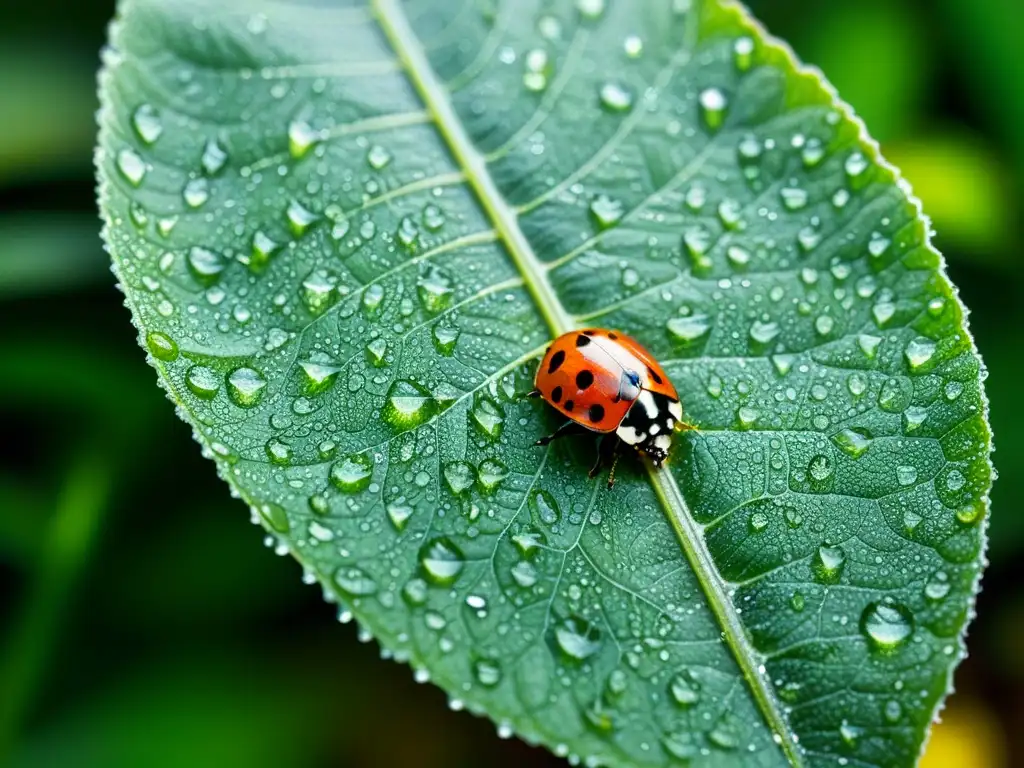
[820,468]
[853,442]
[605,211]
[794,198]
[730,212]
[415,592]
[764,332]
[938,586]
[887,625]
[577,638]
[196,192]
[906,475]
[758,521]
[489,418]
[408,405]
[747,416]
[893,711]
[445,337]
[442,561]
[353,473]
[319,377]
[161,346]
[615,97]
[682,746]
[275,517]
[726,733]
[738,257]
[855,164]
[378,157]
[433,217]
[490,475]
[813,153]
[590,9]
[146,122]
[743,53]
[697,240]
[131,166]
[354,582]
[687,330]
[487,672]
[399,515]
[919,352]
[868,344]
[783,363]
[278,452]
[849,733]
[544,507]
[524,573]
[633,46]
[246,386]
[300,218]
[214,157]
[824,324]
[203,382]
[205,265]
[696,196]
[376,353]
[301,137]
[713,104]
[527,542]
[537,70]
[797,602]
[970,514]
[828,564]
[319,290]
[434,290]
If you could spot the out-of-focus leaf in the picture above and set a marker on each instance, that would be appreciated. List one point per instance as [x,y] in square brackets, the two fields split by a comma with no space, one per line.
[44,253]
[347,233]
[873,52]
[46,107]
[962,186]
[22,520]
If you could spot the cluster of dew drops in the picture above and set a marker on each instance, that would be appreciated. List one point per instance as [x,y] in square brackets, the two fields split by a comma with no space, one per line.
[887,625]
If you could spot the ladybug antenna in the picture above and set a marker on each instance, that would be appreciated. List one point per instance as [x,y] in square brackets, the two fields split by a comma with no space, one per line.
[533,393]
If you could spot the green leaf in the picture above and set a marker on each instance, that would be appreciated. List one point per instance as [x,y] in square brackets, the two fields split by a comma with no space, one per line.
[347,233]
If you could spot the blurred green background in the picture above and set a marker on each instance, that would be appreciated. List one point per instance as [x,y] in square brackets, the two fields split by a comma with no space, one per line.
[143,621]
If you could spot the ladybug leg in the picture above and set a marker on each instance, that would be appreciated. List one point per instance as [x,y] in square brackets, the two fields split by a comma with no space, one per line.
[566,430]
[607,452]
[533,393]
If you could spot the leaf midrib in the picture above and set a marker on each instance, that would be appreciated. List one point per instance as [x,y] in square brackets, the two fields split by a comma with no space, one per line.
[406,45]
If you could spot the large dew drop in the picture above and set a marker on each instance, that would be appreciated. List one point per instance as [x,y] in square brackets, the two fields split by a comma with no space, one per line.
[131,166]
[441,561]
[408,405]
[246,386]
[687,330]
[828,564]
[887,625]
[147,124]
[354,582]
[353,473]
[577,639]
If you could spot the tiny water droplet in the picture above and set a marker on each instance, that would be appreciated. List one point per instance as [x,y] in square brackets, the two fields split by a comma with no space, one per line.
[490,475]
[378,157]
[196,192]
[605,211]
[713,104]
[354,582]
[278,452]
[300,218]
[615,97]
[758,521]
[487,672]
[301,137]
[214,158]
[590,9]
[743,53]
[319,290]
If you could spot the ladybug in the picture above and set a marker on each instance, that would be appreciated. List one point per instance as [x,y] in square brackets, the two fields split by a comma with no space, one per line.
[606,382]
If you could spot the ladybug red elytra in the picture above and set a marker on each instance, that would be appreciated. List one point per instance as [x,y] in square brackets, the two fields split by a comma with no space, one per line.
[606,382]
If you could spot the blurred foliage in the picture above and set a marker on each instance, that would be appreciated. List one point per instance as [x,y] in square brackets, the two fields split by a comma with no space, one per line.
[162,633]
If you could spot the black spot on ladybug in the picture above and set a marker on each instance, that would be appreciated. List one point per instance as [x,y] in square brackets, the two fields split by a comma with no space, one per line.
[582,341]
[584,379]
[588,333]
[556,395]
[613,336]
[569,404]
[596,413]
[556,361]
[654,375]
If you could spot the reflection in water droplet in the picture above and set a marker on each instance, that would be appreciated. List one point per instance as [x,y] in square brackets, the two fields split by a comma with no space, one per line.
[214,158]
[764,332]
[713,104]
[434,289]
[300,138]
[196,192]
[615,97]
[489,417]
[354,582]
[743,53]
[299,218]
[688,329]
[377,157]
[887,625]
[278,452]
[828,565]
[275,517]
[246,386]
[205,265]
[919,352]
[319,377]
[605,211]
[577,639]
[445,337]
[442,561]
[131,166]
[459,476]
[490,475]
[487,672]
[408,405]
[147,124]
[162,346]
[544,507]
[853,442]
[684,689]
[524,573]
[353,473]
[399,515]
[319,290]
